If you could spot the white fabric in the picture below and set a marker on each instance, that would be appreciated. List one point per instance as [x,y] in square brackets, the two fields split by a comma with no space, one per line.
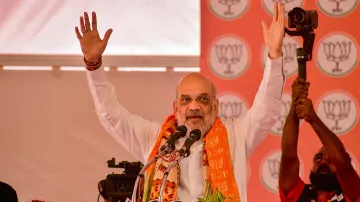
[161,27]
[138,135]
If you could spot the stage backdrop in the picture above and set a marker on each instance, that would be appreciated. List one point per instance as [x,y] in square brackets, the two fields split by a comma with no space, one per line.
[233,56]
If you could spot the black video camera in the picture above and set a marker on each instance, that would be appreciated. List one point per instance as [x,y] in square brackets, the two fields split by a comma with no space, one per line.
[304,22]
[119,187]
[302,19]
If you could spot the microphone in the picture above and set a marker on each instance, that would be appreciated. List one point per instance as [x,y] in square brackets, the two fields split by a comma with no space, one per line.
[167,147]
[193,137]
[184,152]
[179,133]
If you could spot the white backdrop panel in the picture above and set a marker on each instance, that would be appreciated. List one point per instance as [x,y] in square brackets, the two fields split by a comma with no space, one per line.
[51,142]
[161,27]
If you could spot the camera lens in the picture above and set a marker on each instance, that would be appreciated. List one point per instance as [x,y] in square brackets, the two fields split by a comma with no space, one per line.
[300,17]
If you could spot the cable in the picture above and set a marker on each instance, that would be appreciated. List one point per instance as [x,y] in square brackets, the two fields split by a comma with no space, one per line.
[98,198]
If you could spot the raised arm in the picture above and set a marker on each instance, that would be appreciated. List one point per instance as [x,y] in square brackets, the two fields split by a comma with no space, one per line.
[257,122]
[290,165]
[134,133]
[348,178]
[254,126]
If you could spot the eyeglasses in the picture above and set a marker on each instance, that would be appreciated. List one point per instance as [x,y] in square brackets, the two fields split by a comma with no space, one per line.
[201,99]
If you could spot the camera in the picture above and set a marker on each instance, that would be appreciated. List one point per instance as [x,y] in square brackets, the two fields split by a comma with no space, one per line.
[299,18]
[119,187]
[304,22]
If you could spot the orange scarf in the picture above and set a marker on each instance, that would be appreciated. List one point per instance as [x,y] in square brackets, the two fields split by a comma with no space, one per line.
[218,169]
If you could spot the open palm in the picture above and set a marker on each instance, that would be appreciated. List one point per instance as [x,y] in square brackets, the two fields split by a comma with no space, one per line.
[91,44]
[274,34]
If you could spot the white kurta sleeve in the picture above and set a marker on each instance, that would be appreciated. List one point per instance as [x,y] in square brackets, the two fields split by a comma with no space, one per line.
[133,132]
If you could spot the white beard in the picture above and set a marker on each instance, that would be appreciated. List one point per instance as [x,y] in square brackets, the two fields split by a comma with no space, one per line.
[204,129]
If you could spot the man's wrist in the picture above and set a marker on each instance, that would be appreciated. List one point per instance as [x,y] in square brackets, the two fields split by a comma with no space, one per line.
[314,119]
[91,66]
[275,54]
[92,59]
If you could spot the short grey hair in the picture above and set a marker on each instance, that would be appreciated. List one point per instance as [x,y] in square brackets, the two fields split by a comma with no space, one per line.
[213,89]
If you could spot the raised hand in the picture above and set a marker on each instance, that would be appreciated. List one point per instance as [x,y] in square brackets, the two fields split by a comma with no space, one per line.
[274,34]
[91,45]
[300,89]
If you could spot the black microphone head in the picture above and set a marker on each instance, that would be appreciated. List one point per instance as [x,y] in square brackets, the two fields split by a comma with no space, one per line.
[195,134]
[181,130]
[169,144]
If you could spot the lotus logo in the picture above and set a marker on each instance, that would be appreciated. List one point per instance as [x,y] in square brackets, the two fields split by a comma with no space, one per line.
[228,4]
[336,110]
[337,8]
[269,171]
[339,112]
[268,5]
[289,51]
[229,110]
[289,55]
[231,106]
[229,57]
[228,9]
[337,54]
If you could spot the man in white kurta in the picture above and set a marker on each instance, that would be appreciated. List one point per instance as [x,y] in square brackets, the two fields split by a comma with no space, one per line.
[138,135]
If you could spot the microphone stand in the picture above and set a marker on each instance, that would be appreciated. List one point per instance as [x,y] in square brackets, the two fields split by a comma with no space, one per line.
[166,173]
[183,154]
[142,171]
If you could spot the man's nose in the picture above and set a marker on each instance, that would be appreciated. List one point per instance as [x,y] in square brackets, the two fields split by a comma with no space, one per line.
[324,162]
[194,105]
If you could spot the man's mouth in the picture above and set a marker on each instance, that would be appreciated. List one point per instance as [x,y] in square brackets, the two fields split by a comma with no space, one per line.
[194,118]
[323,170]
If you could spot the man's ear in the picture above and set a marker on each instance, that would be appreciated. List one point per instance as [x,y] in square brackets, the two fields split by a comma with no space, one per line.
[175,106]
[216,105]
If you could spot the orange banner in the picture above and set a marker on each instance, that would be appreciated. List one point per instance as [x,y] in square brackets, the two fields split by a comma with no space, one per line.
[233,57]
